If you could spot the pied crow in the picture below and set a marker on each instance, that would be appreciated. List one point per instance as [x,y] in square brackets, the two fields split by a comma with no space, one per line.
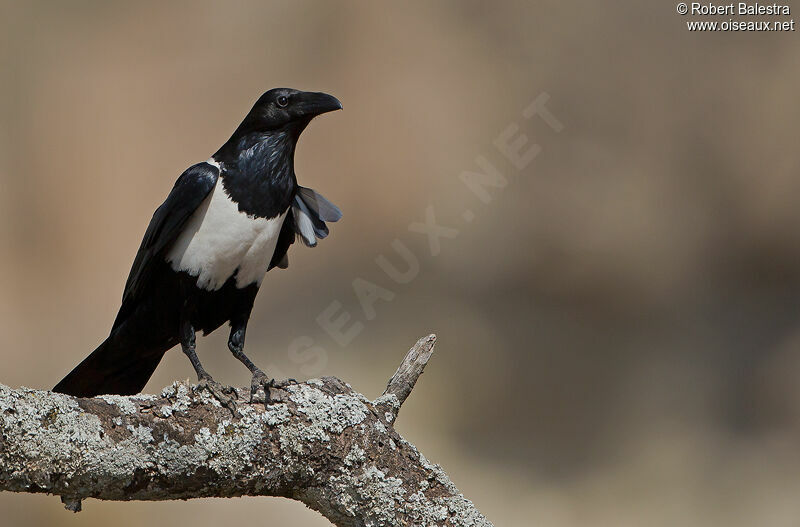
[226,222]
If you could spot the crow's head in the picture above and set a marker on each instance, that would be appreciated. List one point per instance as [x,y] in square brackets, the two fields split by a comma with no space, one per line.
[284,109]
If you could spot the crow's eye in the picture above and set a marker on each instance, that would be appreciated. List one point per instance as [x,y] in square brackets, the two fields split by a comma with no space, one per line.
[283,101]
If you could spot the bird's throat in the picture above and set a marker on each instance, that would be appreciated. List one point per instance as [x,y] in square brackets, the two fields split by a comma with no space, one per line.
[258,174]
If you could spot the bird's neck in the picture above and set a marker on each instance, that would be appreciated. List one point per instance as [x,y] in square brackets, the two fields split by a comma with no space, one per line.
[258,172]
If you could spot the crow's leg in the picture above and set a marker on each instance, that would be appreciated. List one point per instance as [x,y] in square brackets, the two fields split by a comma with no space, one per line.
[236,345]
[220,392]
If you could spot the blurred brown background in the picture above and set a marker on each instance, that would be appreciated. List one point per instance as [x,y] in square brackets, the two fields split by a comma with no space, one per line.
[619,336]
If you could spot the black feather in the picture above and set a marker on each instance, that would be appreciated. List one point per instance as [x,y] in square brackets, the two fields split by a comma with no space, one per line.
[191,188]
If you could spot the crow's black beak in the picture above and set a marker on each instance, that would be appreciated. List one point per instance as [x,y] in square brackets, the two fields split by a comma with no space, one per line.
[311,104]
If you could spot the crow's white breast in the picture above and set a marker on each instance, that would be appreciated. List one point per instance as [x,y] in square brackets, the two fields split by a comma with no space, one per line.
[219,240]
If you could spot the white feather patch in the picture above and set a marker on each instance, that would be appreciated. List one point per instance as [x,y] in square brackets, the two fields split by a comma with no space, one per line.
[305,227]
[218,240]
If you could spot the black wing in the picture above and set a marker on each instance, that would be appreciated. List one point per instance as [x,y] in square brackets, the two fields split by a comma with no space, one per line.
[306,218]
[191,188]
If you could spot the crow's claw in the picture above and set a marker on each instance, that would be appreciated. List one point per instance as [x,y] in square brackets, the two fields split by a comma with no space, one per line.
[284,383]
[260,381]
[224,394]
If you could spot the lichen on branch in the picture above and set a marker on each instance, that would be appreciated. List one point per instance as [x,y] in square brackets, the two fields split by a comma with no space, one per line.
[318,442]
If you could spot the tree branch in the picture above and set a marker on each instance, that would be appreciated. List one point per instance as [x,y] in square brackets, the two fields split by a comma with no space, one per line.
[405,378]
[318,442]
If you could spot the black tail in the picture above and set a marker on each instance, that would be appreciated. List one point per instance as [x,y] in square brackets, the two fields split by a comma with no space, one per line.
[111,369]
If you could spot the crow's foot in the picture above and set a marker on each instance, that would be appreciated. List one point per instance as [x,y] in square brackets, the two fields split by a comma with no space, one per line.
[261,381]
[284,383]
[224,394]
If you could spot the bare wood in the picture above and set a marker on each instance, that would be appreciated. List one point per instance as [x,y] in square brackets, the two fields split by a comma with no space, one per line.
[318,442]
[405,378]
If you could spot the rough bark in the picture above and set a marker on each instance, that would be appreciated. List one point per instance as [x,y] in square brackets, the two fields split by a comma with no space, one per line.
[318,442]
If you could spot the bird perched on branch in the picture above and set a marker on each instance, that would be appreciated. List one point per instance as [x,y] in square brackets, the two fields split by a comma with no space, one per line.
[226,222]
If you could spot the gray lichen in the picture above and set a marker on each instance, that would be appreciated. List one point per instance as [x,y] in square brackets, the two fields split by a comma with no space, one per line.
[319,442]
[388,399]
[326,413]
